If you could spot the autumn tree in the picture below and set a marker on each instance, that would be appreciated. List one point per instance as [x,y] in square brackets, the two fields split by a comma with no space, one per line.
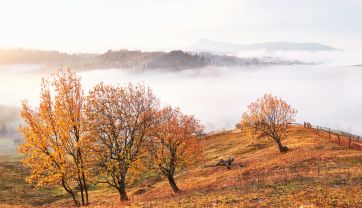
[269,116]
[175,143]
[55,144]
[120,119]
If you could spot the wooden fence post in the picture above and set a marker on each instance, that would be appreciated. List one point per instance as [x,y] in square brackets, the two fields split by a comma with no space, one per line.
[329,134]
[350,140]
[339,140]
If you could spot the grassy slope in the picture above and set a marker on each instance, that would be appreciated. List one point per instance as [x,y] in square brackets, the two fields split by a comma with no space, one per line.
[13,188]
[314,173]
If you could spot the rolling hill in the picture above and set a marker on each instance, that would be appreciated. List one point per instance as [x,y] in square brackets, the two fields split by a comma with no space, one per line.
[135,60]
[29,56]
[314,173]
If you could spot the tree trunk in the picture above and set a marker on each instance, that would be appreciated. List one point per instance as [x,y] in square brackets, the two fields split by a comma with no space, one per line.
[76,202]
[81,186]
[173,185]
[122,190]
[81,176]
[70,191]
[85,189]
[281,147]
[86,194]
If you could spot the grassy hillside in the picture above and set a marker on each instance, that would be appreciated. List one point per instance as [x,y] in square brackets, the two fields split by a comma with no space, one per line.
[314,173]
[13,188]
[15,192]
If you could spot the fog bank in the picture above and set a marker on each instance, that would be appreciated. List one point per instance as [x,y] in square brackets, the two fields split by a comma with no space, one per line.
[323,95]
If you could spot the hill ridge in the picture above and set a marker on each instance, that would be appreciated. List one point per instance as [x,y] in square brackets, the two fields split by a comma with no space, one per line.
[314,173]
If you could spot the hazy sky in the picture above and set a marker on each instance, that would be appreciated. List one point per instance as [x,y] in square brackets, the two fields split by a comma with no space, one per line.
[96,25]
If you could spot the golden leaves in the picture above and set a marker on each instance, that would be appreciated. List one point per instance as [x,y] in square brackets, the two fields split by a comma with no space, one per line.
[53,133]
[175,143]
[71,139]
[268,116]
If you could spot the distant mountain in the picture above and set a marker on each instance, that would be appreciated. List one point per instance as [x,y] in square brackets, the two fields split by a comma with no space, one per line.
[223,47]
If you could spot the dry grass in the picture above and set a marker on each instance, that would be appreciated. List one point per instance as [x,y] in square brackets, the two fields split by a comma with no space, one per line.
[314,173]
[16,192]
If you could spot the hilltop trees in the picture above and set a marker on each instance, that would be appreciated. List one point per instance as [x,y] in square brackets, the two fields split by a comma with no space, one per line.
[55,143]
[116,132]
[109,136]
[174,143]
[178,60]
[120,118]
[269,116]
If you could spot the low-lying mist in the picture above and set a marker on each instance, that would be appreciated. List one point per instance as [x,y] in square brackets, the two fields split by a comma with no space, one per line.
[217,96]
[325,95]
[330,58]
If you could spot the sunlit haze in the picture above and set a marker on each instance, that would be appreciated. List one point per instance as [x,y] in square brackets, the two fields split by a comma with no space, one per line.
[181,103]
[95,26]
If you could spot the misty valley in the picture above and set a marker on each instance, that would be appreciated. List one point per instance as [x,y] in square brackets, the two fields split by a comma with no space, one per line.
[308,87]
[182,104]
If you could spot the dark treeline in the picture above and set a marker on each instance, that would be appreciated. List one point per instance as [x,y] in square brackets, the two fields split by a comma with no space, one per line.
[125,59]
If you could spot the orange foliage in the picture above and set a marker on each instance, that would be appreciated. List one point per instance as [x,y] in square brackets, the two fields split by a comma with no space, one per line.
[55,143]
[269,116]
[110,136]
[120,119]
[175,144]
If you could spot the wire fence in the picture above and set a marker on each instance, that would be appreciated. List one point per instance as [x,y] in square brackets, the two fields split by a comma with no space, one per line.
[341,137]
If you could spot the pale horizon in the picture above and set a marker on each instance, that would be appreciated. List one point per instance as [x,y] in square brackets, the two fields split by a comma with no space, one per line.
[96,26]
